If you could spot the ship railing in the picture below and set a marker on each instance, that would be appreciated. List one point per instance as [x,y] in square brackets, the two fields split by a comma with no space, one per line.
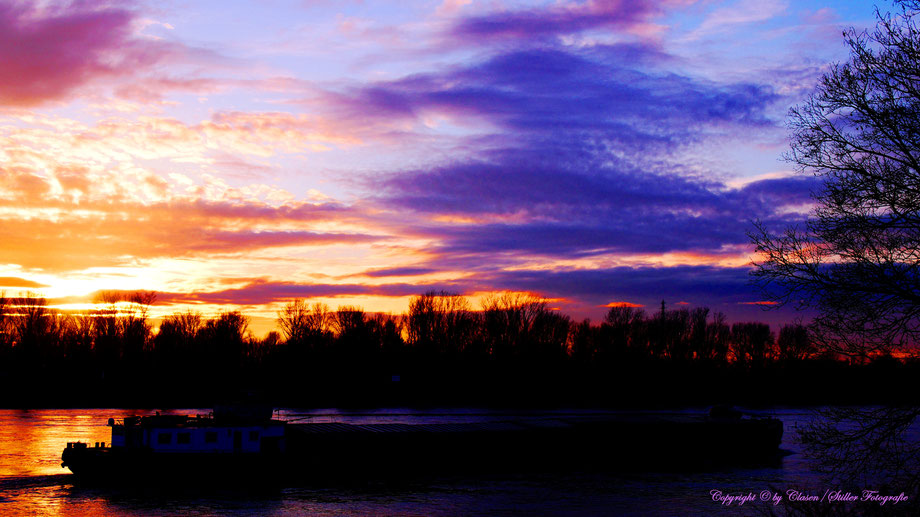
[131,421]
[84,445]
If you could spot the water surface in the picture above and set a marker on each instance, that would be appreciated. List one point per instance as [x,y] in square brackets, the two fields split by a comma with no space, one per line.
[32,481]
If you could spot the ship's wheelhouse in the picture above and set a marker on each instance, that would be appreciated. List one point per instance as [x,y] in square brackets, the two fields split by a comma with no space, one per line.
[177,434]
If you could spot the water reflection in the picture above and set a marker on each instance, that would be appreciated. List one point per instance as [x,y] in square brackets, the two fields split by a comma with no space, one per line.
[32,440]
[33,482]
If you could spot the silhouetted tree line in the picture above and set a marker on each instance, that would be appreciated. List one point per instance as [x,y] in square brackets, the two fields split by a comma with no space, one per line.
[515,337]
[516,328]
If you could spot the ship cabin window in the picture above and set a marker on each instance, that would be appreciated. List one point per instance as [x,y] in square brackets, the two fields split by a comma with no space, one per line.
[164,438]
[210,437]
[184,438]
[253,436]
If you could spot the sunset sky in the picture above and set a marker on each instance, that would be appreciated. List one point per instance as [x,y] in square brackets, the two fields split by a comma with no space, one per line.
[235,155]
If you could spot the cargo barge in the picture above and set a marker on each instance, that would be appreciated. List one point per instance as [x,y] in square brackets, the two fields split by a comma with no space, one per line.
[216,445]
[229,446]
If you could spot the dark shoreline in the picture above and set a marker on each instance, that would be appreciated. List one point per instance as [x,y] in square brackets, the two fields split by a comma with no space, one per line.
[645,386]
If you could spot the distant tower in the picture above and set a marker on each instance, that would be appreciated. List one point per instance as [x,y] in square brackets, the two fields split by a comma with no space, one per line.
[662,308]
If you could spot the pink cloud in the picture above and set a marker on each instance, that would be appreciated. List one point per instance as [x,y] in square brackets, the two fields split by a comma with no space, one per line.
[744,12]
[822,16]
[155,89]
[451,7]
[265,133]
[50,52]
[47,53]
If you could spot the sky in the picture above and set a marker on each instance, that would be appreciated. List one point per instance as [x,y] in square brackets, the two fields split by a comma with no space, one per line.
[234,155]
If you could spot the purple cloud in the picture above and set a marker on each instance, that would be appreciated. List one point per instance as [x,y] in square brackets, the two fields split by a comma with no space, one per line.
[263,292]
[558,186]
[245,240]
[553,21]
[681,282]
[584,154]
[586,141]
[673,283]
[760,196]
[47,53]
[723,289]
[586,208]
[399,271]
[604,92]
[585,163]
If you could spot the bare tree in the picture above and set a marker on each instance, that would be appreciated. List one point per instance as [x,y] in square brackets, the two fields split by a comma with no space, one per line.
[793,343]
[509,321]
[34,326]
[303,324]
[260,349]
[133,322]
[6,338]
[76,336]
[107,341]
[752,342]
[388,332]
[349,319]
[121,326]
[354,333]
[226,338]
[177,338]
[620,326]
[440,322]
[857,259]
[585,342]
[718,338]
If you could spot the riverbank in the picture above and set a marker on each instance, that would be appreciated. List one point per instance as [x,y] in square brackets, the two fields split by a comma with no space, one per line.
[647,386]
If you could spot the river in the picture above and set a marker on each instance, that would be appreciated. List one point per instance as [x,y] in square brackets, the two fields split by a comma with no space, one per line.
[32,481]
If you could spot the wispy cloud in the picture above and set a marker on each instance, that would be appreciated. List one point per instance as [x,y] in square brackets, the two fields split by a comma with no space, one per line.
[740,13]
[560,19]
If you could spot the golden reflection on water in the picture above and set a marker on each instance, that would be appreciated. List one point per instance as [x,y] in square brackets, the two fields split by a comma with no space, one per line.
[31,440]
[32,481]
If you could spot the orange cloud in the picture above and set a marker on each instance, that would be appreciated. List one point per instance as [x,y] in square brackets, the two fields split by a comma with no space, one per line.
[55,240]
[623,304]
[70,218]
[265,133]
[11,281]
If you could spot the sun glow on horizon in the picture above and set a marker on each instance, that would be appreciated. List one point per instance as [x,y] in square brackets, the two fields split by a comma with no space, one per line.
[392,150]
